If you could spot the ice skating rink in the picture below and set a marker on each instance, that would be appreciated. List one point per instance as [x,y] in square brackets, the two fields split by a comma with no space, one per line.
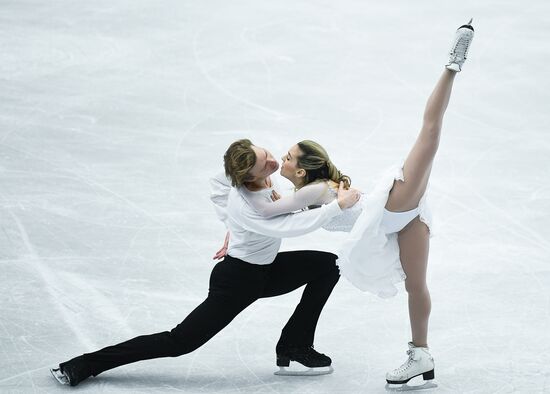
[114,115]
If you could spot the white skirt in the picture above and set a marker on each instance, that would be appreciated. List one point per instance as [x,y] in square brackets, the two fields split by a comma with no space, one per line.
[369,257]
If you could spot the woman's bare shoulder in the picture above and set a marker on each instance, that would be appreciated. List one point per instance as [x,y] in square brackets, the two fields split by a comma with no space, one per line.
[319,184]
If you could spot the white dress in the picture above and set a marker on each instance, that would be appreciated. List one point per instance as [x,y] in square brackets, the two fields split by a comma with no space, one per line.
[369,256]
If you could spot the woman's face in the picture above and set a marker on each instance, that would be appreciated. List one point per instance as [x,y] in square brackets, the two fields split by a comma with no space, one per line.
[289,166]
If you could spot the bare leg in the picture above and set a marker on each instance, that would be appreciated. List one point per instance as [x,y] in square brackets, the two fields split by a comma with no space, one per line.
[416,170]
[414,248]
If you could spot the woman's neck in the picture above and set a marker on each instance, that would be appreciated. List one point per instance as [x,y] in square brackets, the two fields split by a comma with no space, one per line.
[297,182]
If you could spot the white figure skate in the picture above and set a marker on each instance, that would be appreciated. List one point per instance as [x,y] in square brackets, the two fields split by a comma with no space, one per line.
[461,45]
[420,362]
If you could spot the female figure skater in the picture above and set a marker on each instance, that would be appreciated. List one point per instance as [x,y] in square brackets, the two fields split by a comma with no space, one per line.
[390,228]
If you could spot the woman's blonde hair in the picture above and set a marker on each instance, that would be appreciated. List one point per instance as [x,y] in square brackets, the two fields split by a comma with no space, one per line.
[317,164]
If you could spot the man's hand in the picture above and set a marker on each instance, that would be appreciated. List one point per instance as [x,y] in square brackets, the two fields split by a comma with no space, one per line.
[223,251]
[347,198]
[275,196]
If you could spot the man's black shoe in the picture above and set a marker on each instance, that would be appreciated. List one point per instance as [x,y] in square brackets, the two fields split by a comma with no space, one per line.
[303,360]
[71,372]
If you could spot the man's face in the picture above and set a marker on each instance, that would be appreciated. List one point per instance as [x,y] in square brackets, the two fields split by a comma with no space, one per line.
[265,163]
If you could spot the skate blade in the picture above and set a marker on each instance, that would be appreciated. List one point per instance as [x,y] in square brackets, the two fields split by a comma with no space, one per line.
[59,376]
[297,369]
[408,387]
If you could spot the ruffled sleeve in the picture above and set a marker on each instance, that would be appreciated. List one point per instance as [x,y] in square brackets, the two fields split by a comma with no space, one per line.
[220,186]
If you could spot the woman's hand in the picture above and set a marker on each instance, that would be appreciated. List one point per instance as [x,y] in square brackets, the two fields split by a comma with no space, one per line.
[223,251]
[275,196]
[347,198]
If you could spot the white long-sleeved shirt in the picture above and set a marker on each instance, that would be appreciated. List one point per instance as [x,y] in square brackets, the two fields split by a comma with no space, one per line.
[254,238]
[314,194]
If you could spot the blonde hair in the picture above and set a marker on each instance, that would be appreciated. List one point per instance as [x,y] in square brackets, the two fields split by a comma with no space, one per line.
[238,160]
[317,164]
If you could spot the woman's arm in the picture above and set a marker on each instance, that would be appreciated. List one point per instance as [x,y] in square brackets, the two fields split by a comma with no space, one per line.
[289,225]
[312,194]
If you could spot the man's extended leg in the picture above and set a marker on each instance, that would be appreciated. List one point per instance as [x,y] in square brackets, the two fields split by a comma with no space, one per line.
[233,286]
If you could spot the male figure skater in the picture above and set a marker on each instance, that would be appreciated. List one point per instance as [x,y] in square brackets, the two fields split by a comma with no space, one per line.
[252,269]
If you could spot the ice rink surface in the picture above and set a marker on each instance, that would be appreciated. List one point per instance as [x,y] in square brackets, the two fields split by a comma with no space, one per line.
[114,115]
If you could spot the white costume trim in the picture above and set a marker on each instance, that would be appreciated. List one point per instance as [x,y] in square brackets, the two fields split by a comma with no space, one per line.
[369,258]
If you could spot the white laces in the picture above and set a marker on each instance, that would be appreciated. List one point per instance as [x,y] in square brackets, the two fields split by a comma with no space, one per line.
[462,46]
[407,363]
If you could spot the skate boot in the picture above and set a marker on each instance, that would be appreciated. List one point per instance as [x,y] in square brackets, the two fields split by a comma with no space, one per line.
[420,362]
[459,50]
[71,372]
[302,361]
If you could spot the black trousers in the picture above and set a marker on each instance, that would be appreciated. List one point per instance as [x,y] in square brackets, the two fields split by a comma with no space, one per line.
[234,285]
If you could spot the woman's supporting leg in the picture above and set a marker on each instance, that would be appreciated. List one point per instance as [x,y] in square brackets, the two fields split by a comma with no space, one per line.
[413,250]
[416,170]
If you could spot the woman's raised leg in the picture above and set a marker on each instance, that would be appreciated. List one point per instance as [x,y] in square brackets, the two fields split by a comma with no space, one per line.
[406,195]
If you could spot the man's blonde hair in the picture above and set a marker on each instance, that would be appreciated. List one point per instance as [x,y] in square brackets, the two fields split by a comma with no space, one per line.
[238,160]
